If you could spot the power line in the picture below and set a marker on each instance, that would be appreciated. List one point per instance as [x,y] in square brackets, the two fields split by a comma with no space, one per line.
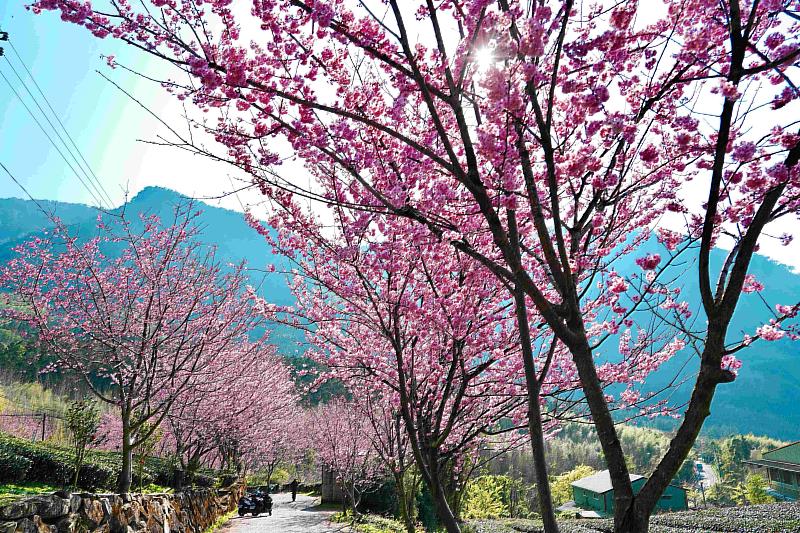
[21,186]
[52,142]
[97,181]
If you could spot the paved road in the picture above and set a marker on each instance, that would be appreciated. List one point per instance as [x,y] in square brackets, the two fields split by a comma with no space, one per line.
[287,517]
[708,476]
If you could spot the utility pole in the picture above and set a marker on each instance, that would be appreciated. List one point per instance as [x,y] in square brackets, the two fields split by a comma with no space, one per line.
[703,492]
[44,420]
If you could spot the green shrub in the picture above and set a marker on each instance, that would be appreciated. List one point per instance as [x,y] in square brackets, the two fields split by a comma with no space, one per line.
[485,498]
[13,467]
[382,499]
[561,486]
[23,460]
[426,512]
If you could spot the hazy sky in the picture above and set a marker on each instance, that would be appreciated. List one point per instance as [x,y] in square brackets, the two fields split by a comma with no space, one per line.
[105,124]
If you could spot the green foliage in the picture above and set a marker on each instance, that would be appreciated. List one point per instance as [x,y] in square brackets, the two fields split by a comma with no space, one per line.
[561,486]
[485,498]
[687,474]
[722,494]
[220,522]
[13,491]
[755,490]
[426,512]
[13,467]
[56,465]
[280,476]
[729,453]
[82,421]
[577,444]
[148,436]
[380,499]
[369,523]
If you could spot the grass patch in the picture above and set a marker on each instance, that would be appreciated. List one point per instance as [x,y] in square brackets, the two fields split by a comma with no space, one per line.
[14,491]
[328,507]
[220,522]
[370,523]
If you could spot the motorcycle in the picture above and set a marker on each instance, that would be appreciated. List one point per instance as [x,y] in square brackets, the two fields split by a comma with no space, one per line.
[255,503]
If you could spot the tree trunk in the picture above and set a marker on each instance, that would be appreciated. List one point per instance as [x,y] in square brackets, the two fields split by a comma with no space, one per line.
[406,513]
[78,464]
[634,521]
[603,422]
[443,510]
[636,518]
[535,421]
[125,474]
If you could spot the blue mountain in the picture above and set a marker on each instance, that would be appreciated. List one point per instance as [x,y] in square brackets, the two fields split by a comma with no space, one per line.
[765,397]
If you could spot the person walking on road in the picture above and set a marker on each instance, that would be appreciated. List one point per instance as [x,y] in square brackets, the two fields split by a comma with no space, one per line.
[293,485]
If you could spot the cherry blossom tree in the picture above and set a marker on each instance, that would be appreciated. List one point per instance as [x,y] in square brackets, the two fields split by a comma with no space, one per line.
[343,443]
[545,140]
[417,330]
[246,394]
[138,326]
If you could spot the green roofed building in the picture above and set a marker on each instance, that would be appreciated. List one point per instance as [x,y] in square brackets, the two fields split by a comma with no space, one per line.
[781,467]
[593,496]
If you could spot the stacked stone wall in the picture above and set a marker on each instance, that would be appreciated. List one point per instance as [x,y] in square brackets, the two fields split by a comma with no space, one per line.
[192,511]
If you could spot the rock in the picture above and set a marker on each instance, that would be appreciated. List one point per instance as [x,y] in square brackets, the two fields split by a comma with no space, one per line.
[50,507]
[67,524]
[8,527]
[75,503]
[41,527]
[26,525]
[106,506]
[16,510]
[93,511]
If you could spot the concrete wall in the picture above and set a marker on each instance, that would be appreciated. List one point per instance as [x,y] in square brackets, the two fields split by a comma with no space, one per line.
[187,512]
[331,492]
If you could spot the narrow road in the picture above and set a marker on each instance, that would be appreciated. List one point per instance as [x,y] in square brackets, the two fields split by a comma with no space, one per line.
[301,516]
[708,476]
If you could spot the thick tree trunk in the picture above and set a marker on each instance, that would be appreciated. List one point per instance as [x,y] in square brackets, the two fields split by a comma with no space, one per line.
[535,422]
[634,521]
[603,423]
[636,518]
[443,511]
[125,474]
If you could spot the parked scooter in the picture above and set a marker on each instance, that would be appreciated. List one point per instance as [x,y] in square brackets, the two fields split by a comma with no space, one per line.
[255,503]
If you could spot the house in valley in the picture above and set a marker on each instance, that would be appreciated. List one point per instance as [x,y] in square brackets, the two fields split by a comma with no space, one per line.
[781,467]
[593,496]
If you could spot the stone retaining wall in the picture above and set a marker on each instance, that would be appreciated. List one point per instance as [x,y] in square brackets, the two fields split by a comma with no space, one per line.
[192,511]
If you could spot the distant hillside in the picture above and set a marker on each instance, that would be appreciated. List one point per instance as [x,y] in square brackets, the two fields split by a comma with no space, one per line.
[227,230]
[763,400]
[765,397]
[19,218]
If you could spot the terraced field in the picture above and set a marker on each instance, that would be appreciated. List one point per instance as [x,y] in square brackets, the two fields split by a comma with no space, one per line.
[768,518]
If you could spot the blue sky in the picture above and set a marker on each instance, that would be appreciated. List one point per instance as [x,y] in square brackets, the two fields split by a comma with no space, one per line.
[104,123]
